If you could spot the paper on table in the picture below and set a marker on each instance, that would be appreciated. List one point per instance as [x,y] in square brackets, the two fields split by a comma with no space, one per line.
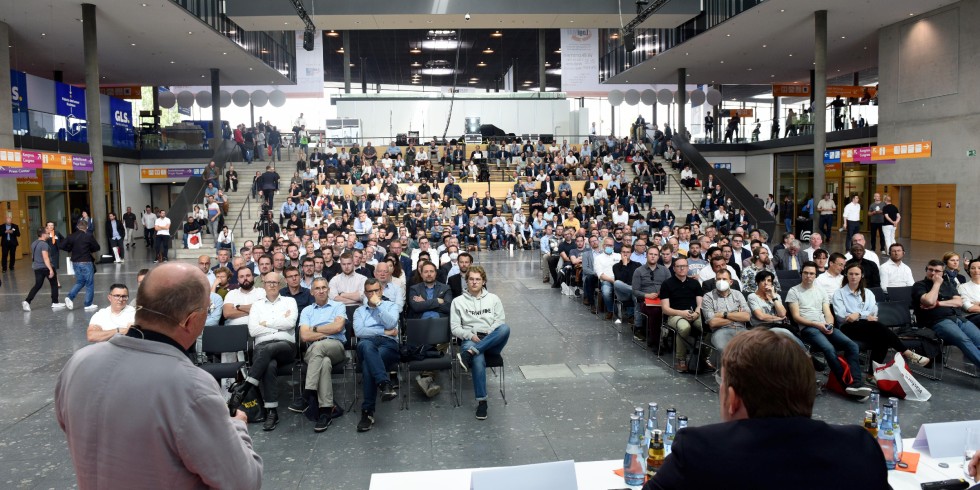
[911,459]
[943,440]
[560,474]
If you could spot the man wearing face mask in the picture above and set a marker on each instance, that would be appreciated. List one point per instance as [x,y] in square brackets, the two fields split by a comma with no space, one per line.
[451,267]
[726,311]
[604,271]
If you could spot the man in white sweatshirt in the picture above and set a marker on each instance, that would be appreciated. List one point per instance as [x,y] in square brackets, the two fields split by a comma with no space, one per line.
[477,318]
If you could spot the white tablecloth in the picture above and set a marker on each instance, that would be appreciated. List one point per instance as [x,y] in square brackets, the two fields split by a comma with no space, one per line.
[598,475]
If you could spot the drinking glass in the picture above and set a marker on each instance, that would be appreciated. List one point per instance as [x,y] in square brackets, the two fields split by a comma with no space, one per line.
[970,448]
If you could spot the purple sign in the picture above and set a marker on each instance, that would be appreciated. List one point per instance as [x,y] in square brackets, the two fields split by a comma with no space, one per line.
[31,159]
[13,172]
[862,154]
[82,163]
[183,173]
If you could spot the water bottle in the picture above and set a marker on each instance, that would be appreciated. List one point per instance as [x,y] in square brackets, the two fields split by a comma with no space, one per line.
[875,403]
[681,422]
[634,472]
[886,437]
[638,411]
[670,430]
[899,448]
[652,423]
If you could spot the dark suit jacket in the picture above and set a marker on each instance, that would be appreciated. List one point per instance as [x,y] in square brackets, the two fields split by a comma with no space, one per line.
[667,217]
[547,186]
[783,262]
[120,228]
[472,205]
[416,308]
[773,453]
[14,235]
[456,285]
[486,205]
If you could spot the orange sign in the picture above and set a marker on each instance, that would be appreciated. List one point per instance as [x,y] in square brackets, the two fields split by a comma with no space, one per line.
[123,92]
[55,161]
[10,158]
[846,91]
[740,112]
[921,149]
[793,90]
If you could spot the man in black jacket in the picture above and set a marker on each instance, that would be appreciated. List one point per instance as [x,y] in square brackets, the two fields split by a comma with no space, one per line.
[768,419]
[9,242]
[268,183]
[81,245]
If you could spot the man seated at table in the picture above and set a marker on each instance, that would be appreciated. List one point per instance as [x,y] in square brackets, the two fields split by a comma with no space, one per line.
[768,419]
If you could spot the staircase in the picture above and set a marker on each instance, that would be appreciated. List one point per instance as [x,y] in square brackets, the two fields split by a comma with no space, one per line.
[236,207]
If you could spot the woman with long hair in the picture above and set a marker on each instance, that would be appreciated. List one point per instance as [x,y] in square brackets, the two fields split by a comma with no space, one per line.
[857,317]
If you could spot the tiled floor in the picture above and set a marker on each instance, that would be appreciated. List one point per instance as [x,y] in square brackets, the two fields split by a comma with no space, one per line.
[586,379]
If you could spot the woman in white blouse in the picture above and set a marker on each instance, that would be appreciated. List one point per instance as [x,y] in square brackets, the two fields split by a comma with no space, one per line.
[970,292]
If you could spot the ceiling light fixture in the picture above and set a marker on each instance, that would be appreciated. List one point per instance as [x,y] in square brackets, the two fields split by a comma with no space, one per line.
[488,51]
[481,64]
[558,51]
[132,44]
[190,33]
[416,64]
[332,33]
[415,50]
[496,34]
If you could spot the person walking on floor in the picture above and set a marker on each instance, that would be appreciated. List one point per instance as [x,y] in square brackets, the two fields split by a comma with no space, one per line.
[81,245]
[41,263]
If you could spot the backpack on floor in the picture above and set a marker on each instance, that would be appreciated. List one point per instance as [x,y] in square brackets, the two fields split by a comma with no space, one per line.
[834,384]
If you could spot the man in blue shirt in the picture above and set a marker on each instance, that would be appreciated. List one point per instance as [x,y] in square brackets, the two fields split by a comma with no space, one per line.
[323,325]
[376,328]
[286,210]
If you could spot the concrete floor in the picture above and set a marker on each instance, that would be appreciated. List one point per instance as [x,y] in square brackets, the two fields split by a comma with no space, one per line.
[572,381]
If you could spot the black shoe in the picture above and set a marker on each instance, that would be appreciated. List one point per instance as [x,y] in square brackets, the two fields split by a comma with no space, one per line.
[818,364]
[298,405]
[271,420]
[336,412]
[387,392]
[481,410]
[465,358]
[322,422]
[367,421]
[238,393]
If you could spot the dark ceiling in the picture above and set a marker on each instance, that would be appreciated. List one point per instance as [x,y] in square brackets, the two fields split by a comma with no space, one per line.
[388,57]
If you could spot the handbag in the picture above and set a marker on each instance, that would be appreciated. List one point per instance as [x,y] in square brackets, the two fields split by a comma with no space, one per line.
[834,384]
[895,379]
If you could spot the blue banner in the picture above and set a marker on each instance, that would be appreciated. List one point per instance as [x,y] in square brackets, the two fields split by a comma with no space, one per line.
[18,90]
[121,112]
[69,101]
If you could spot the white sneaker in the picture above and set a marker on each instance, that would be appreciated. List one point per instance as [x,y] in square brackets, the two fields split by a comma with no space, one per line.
[119,261]
[91,307]
[618,321]
[69,304]
[55,306]
[25,305]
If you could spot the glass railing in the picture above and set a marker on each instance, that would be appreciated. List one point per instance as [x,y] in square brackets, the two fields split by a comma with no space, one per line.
[276,49]
[54,127]
[614,58]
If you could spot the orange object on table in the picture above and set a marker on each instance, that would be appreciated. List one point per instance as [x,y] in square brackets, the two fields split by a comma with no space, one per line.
[911,459]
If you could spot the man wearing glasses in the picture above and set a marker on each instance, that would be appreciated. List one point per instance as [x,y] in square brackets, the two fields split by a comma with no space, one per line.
[376,328]
[272,323]
[321,324]
[936,304]
[113,319]
[681,298]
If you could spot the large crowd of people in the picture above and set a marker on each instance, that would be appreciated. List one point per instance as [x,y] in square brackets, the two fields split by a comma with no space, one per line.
[333,271]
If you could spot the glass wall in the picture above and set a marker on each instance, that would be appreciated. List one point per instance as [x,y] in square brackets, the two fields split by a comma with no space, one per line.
[794,178]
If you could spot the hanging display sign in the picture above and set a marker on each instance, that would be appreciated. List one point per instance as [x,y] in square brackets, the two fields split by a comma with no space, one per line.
[879,154]
[845,91]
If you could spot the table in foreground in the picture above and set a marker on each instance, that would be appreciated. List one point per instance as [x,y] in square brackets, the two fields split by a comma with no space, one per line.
[598,475]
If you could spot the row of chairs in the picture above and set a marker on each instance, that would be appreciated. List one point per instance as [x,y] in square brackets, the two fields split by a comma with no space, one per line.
[434,331]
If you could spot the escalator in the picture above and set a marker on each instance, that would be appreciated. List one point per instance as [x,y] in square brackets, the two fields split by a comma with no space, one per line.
[743,199]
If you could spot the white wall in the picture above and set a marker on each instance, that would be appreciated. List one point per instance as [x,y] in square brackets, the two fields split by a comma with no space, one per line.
[737,161]
[758,177]
[131,192]
[382,119]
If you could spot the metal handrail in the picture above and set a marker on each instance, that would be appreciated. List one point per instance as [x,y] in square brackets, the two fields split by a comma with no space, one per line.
[238,221]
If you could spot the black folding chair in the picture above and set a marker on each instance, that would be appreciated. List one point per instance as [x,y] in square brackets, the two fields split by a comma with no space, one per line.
[423,332]
[220,339]
[901,294]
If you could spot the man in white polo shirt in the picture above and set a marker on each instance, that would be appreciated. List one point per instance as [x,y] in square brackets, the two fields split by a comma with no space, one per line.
[894,273]
[113,319]
[852,219]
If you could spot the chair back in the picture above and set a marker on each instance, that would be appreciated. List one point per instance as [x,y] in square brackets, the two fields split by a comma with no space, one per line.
[894,314]
[225,338]
[427,331]
[788,284]
[880,294]
[901,294]
[784,275]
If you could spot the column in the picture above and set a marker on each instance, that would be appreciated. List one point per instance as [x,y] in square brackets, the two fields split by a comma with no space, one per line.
[346,62]
[776,119]
[819,91]
[8,187]
[682,100]
[716,131]
[363,68]
[514,81]
[542,80]
[216,128]
[94,124]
